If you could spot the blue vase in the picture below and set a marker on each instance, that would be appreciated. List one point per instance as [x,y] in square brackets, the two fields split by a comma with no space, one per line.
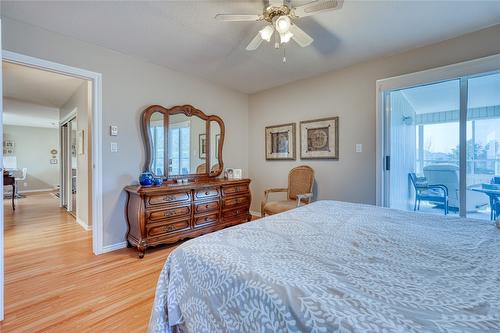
[146,179]
[158,181]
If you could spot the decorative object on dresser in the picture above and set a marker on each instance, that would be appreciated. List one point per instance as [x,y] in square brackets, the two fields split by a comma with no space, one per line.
[299,191]
[280,142]
[319,139]
[191,201]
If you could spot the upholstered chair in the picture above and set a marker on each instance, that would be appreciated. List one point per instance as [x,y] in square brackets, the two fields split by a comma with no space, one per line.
[299,191]
[202,168]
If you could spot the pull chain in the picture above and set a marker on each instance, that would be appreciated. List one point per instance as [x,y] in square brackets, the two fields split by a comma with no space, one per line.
[284,54]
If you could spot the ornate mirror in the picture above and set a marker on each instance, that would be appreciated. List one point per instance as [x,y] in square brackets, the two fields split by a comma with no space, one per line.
[182,142]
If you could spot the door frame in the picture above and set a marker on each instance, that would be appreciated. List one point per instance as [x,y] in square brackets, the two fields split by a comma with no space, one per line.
[463,71]
[96,128]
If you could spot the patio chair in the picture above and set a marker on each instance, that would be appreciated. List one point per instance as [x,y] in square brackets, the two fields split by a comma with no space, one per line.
[436,193]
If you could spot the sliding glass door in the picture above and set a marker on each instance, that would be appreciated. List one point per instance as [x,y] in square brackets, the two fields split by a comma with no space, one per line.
[424,145]
[483,146]
[443,141]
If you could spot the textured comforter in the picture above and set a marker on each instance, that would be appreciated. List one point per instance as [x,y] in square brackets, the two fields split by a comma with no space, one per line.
[335,267]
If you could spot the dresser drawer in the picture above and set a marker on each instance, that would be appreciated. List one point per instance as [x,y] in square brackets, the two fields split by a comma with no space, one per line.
[206,193]
[204,220]
[168,198]
[206,207]
[166,228]
[158,215]
[229,214]
[235,189]
[236,201]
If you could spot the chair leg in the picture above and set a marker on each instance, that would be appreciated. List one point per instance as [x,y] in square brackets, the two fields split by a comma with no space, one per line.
[418,207]
[446,207]
[415,205]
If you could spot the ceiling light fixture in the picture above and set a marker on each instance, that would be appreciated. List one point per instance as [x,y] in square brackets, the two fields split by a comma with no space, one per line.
[282,24]
[267,33]
[285,37]
[282,18]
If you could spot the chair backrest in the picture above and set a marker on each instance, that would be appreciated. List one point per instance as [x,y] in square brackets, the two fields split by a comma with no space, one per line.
[413,178]
[300,181]
[444,174]
[202,168]
[495,180]
[21,174]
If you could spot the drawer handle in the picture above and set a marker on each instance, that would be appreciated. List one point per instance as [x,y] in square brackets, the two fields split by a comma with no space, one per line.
[206,206]
[169,213]
[169,198]
[206,219]
[207,193]
[170,228]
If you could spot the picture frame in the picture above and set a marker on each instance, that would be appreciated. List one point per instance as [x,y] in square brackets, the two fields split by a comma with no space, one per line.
[280,142]
[237,173]
[202,146]
[229,173]
[319,139]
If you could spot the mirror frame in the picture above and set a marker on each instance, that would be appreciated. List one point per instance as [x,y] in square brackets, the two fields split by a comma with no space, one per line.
[189,111]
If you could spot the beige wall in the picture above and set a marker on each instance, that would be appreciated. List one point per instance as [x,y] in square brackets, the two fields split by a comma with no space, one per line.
[129,86]
[350,94]
[32,150]
[80,102]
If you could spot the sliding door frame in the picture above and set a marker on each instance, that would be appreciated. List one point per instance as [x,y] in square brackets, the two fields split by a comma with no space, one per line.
[462,71]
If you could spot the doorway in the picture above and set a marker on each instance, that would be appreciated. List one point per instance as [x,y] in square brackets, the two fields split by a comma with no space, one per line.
[94,148]
[442,144]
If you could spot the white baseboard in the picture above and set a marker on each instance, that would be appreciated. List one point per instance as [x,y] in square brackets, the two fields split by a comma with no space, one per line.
[114,247]
[83,224]
[255,213]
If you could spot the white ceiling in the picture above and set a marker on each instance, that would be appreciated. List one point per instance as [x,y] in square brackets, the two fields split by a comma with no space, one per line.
[184,36]
[20,113]
[37,86]
[32,97]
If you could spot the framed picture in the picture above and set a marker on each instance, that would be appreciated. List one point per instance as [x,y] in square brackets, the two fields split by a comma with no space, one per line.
[280,142]
[319,139]
[237,173]
[216,148]
[229,173]
[202,146]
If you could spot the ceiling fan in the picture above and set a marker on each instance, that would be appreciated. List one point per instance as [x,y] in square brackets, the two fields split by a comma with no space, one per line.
[281,20]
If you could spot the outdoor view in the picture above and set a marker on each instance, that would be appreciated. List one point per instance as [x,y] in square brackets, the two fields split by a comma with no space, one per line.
[432,111]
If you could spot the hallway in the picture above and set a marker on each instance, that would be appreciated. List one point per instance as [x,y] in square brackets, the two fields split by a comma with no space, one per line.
[53,282]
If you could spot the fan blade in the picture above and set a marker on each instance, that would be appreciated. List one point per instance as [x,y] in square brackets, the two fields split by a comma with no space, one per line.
[237,17]
[317,6]
[255,42]
[300,36]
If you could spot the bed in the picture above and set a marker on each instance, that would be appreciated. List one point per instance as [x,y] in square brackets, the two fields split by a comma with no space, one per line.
[335,267]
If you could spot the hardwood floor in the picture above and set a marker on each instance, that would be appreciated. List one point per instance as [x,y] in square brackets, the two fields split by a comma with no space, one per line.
[53,283]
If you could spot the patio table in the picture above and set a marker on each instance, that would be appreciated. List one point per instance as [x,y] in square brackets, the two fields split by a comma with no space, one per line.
[494,195]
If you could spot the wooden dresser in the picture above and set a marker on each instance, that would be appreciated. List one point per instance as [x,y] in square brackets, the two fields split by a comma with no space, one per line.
[171,212]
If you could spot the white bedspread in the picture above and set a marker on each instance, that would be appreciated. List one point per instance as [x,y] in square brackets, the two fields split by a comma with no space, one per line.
[335,267]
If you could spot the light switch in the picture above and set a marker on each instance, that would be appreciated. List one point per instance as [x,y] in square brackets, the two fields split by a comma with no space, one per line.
[114,147]
[113,130]
[359,147]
